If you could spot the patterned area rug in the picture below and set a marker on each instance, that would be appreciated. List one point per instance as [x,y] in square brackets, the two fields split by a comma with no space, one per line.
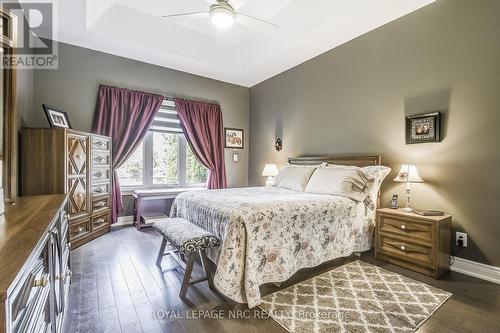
[356,297]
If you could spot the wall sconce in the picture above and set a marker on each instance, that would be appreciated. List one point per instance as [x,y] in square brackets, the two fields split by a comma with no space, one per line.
[278,145]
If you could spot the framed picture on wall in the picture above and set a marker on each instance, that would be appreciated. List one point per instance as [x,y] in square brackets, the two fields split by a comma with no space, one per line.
[234,138]
[423,128]
[56,117]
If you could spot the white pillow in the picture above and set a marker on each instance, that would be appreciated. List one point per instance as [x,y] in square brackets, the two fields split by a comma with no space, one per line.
[348,182]
[294,177]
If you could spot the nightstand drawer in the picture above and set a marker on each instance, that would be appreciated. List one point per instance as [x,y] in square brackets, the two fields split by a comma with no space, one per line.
[415,230]
[401,248]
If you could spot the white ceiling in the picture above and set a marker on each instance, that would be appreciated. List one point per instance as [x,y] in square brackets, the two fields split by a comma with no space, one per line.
[135,29]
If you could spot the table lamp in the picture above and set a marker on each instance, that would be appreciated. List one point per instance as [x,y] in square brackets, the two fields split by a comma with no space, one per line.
[408,174]
[270,171]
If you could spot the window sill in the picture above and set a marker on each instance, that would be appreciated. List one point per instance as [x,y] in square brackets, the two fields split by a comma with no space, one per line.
[166,190]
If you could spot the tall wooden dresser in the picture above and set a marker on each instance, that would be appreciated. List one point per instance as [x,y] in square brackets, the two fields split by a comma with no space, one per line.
[57,160]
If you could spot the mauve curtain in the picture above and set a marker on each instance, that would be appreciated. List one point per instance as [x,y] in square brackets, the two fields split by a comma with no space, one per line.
[202,126]
[125,116]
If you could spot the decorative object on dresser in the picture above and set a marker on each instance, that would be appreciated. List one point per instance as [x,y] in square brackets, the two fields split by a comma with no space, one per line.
[408,174]
[73,162]
[423,128]
[35,260]
[56,117]
[429,212]
[419,243]
[270,171]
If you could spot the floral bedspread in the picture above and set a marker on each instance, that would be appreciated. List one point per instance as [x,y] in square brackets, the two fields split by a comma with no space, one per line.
[270,233]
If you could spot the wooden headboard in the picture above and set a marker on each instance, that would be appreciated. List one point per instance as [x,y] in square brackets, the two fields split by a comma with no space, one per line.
[355,160]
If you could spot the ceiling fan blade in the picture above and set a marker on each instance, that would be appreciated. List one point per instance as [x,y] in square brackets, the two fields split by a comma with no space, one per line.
[255,23]
[194,15]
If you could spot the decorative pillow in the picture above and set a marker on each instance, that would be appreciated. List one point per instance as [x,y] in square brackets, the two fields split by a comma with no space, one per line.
[376,172]
[294,177]
[347,182]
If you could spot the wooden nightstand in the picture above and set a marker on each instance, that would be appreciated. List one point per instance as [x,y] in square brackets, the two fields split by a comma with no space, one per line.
[419,243]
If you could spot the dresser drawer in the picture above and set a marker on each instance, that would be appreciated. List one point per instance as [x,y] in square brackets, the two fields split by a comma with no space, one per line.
[101,143]
[406,228]
[101,158]
[101,220]
[100,204]
[79,229]
[403,249]
[29,298]
[100,190]
[101,175]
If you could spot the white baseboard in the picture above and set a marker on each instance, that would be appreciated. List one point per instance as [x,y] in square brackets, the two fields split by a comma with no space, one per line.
[476,269]
[124,221]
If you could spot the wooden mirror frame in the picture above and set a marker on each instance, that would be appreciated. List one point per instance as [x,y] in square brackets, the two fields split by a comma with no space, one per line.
[9,151]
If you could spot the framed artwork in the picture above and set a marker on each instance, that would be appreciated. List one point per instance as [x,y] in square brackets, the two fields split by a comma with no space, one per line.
[234,138]
[423,128]
[56,117]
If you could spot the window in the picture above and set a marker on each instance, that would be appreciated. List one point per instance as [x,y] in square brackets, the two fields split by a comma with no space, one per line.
[164,158]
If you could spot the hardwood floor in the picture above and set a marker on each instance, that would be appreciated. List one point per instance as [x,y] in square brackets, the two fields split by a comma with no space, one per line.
[116,287]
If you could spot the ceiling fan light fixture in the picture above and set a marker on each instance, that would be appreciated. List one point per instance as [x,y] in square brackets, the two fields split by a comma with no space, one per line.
[222,16]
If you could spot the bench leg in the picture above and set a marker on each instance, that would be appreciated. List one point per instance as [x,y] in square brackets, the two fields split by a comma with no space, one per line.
[206,268]
[161,253]
[187,274]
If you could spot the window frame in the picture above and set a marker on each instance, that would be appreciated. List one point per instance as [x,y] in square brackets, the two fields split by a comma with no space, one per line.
[147,174]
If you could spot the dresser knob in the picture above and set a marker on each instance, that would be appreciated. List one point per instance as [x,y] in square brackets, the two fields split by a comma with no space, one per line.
[40,283]
[403,227]
[403,248]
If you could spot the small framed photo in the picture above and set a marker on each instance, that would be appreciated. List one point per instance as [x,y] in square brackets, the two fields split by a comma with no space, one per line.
[56,117]
[423,128]
[234,138]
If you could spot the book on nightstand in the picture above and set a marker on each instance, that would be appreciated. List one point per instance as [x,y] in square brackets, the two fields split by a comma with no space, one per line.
[429,212]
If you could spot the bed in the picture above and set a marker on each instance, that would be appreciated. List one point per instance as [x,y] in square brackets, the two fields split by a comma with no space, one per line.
[269,233]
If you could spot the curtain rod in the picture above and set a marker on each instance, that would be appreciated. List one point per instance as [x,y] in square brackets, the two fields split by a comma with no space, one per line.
[172,99]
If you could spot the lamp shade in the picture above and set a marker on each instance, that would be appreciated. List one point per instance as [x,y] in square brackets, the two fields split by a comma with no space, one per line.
[270,170]
[408,174]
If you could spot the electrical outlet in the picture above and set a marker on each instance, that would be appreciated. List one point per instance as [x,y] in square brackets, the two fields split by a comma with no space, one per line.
[464,238]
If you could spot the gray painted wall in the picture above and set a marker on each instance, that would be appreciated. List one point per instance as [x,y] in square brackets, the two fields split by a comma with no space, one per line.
[353,99]
[73,87]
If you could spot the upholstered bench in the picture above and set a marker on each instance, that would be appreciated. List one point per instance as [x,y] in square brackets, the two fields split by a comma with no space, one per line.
[187,239]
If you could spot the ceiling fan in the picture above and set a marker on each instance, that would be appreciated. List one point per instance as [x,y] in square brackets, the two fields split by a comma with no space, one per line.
[223,15]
